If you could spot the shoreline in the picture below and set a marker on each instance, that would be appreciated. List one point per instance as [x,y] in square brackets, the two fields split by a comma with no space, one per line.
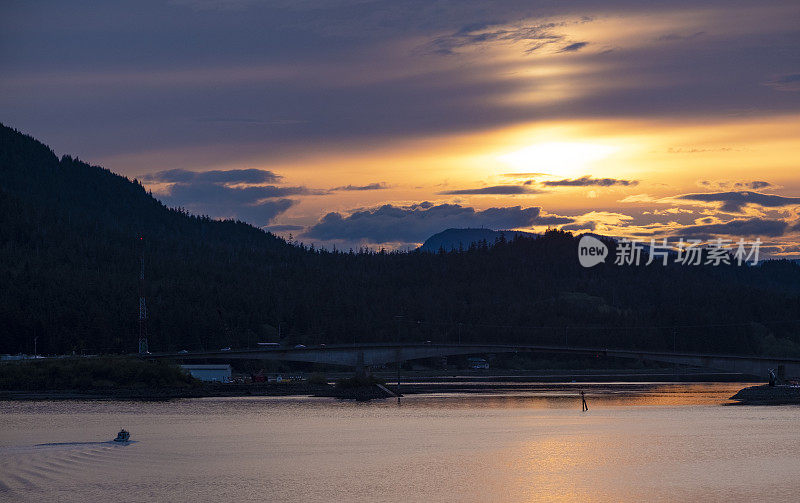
[168,393]
[363,393]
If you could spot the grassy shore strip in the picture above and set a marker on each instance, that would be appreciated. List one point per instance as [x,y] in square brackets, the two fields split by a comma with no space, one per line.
[135,379]
[768,395]
[83,374]
[202,390]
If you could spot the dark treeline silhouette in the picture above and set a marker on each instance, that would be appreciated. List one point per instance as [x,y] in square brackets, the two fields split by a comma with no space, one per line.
[69,271]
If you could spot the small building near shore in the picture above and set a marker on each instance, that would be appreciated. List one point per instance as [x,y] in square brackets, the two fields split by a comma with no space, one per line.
[211,373]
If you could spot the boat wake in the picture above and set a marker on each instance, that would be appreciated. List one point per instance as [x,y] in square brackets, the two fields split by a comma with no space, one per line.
[32,472]
[105,442]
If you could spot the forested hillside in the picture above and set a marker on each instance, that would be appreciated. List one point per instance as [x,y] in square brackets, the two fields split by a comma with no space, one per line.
[69,271]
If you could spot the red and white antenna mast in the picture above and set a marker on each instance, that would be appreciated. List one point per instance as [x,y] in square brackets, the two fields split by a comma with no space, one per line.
[143,349]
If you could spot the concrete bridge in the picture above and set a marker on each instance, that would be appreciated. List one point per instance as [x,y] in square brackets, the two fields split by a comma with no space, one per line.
[365,355]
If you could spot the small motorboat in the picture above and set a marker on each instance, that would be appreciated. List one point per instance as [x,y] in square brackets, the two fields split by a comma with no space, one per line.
[123,436]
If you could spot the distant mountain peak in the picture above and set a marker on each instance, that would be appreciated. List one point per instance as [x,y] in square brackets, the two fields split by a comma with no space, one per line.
[455,239]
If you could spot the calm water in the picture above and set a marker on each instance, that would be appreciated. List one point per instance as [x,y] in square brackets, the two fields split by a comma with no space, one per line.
[636,443]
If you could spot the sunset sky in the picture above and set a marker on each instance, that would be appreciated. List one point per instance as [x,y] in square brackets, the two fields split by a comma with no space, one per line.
[358,122]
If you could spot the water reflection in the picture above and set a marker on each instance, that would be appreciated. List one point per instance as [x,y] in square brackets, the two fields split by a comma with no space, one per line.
[637,442]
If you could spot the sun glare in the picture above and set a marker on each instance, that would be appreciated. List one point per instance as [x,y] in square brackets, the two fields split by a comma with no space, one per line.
[558,158]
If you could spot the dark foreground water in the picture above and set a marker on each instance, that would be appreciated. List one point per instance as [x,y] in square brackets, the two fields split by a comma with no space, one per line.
[636,443]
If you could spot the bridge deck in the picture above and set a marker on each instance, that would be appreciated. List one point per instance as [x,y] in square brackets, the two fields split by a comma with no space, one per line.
[365,355]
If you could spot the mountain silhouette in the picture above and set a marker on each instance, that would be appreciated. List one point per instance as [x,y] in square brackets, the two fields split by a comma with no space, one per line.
[462,239]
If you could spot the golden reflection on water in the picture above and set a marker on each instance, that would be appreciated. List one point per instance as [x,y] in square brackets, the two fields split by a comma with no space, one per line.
[567,395]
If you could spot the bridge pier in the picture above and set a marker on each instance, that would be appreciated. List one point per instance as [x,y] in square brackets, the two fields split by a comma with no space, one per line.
[362,370]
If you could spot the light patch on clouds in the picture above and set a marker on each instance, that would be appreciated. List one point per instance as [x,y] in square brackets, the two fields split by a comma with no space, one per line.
[508,190]
[668,211]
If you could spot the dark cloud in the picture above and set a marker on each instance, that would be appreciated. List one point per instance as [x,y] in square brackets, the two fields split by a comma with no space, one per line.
[789,82]
[258,122]
[672,37]
[201,5]
[415,223]
[726,184]
[235,193]
[535,36]
[577,227]
[755,184]
[735,201]
[587,181]
[749,227]
[213,193]
[577,46]
[371,186]
[495,190]
[257,205]
[146,91]
[257,213]
[231,176]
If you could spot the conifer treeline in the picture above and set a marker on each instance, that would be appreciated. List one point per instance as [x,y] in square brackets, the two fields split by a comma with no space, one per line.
[69,269]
